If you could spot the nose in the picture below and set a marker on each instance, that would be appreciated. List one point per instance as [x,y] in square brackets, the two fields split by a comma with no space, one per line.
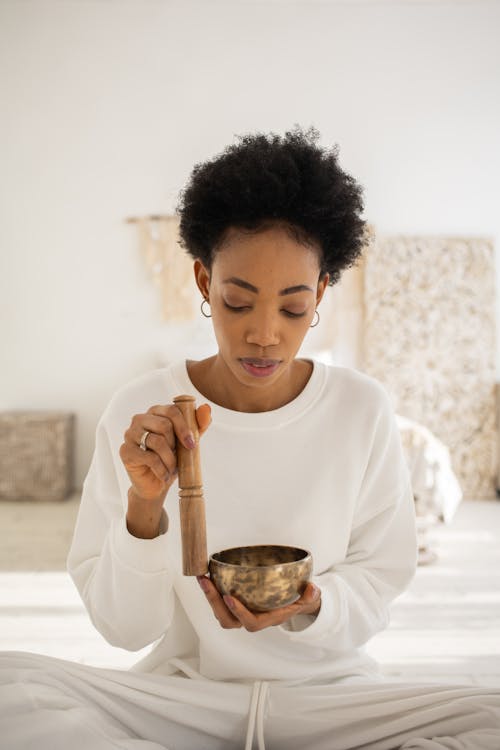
[263,330]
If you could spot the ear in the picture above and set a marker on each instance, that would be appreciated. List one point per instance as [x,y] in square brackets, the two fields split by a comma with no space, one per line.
[322,284]
[202,278]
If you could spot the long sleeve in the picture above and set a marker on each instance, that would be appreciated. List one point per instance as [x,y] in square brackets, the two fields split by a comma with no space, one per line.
[347,498]
[124,581]
[382,551]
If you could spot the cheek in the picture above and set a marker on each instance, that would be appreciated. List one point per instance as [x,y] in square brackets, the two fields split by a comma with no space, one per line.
[226,326]
[302,329]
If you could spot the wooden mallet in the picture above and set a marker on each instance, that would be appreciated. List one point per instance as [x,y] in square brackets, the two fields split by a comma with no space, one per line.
[191,501]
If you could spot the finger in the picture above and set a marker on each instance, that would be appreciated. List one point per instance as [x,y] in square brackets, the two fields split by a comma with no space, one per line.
[159,445]
[203,417]
[161,437]
[163,420]
[141,462]
[221,612]
[254,621]
[179,424]
[308,603]
[310,595]
[153,423]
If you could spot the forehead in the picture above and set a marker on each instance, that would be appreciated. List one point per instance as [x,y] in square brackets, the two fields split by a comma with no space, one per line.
[269,253]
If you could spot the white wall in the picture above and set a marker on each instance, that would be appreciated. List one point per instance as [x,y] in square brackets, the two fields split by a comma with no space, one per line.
[106,106]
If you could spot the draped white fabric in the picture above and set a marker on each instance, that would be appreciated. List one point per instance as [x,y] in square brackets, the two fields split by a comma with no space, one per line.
[53,704]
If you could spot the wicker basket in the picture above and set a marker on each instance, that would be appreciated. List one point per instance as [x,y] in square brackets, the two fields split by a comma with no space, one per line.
[36,455]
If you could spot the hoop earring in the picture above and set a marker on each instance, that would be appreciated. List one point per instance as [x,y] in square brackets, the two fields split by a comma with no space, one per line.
[317,321]
[202,310]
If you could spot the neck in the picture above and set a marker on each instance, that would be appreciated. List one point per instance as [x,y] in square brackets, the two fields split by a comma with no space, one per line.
[216,382]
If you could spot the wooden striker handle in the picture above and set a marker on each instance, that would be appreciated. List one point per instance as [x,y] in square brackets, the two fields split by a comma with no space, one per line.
[191,501]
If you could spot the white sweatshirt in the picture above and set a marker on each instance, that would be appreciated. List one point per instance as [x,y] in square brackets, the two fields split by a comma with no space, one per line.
[325,472]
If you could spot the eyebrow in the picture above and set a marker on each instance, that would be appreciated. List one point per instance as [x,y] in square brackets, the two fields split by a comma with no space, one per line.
[251,288]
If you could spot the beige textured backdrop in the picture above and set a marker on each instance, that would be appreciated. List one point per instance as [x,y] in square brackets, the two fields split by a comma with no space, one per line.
[429,336]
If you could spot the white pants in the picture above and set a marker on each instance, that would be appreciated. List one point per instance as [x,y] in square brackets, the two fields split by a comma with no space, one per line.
[54,704]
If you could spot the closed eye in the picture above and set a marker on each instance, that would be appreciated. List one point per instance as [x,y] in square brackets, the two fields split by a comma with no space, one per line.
[288,313]
[236,309]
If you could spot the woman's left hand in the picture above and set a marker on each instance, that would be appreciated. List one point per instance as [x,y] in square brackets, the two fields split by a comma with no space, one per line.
[231,613]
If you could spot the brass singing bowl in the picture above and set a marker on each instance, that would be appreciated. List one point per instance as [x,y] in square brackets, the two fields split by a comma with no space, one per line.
[262,577]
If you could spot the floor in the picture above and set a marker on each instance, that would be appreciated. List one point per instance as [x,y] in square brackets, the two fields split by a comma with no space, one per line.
[445,627]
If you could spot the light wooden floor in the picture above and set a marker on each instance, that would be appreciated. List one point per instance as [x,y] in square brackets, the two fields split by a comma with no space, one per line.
[445,627]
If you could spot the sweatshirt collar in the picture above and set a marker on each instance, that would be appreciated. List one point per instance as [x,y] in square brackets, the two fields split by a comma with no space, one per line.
[255,420]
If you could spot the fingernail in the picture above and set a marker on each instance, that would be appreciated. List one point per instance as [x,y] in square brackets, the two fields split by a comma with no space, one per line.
[316,592]
[229,601]
[203,583]
[189,441]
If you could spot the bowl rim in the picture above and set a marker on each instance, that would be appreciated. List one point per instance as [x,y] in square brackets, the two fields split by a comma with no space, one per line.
[306,555]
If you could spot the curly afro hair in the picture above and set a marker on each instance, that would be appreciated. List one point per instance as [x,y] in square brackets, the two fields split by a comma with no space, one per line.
[268,179]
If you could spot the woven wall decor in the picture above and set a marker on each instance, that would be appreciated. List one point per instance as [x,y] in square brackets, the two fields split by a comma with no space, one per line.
[169,266]
[429,336]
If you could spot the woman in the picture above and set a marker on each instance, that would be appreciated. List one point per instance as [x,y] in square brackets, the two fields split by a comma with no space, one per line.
[293,452]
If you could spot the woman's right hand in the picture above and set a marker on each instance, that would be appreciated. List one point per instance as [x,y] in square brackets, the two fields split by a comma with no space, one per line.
[153,471]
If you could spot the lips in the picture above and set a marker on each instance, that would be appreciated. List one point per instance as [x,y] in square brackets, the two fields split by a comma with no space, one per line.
[259,367]
[258,362]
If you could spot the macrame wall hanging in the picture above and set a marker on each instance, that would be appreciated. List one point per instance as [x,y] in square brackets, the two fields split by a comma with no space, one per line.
[168,265]
[342,313]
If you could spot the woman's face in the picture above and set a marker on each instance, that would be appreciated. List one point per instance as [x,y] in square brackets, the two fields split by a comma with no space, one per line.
[263,291]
